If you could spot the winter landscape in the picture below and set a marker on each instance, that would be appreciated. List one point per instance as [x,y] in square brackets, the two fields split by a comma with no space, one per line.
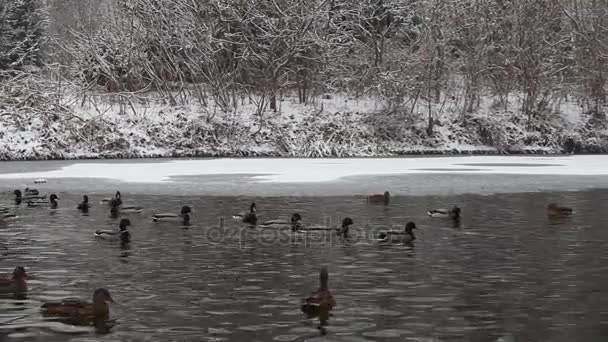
[303,171]
[172,78]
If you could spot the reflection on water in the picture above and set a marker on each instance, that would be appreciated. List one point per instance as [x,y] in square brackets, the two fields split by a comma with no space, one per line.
[506,274]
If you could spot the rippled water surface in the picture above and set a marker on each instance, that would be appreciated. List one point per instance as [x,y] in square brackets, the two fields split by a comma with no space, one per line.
[507,274]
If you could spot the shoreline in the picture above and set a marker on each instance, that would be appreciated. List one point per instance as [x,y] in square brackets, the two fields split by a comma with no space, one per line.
[279,155]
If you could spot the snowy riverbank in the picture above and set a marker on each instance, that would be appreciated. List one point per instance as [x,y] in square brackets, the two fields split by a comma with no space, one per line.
[37,124]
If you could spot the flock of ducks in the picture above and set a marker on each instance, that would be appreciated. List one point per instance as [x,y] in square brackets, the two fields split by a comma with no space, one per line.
[318,304]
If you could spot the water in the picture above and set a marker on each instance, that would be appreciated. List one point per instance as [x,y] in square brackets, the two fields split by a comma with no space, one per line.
[507,274]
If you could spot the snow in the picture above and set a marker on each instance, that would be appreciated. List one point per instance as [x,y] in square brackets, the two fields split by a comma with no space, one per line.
[272,170]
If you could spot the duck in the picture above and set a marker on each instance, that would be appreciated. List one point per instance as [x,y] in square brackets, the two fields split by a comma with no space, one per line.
[79,309]
[554,210]
[20,198]
[184,215]
[123,233]
[249,217]
[379,198]
[16,282]
[320,301]
[294,222]
[346,223]
[405,236]
[114,201]
[84,205]
[31,192]
[453,213]
[52,200]
[131,209]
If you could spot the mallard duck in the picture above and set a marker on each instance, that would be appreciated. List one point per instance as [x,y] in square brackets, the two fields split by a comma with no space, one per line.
[453,213]
[554,210]
[398,236]
[84,205]
[79,309]
[20,198]
[343,230]
[114,201]
[380,198]
[249,217]
[16,282]
[122,233]
[184,216]
[294,222]
[52,200]
[320,301]
[31,192]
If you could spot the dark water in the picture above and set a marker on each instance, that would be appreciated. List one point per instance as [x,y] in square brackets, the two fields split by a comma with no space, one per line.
[508,274]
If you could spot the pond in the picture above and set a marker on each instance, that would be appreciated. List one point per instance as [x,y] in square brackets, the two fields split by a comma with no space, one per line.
[508,273]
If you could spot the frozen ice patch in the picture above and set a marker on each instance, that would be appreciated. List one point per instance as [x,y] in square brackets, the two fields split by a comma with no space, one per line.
[279,170]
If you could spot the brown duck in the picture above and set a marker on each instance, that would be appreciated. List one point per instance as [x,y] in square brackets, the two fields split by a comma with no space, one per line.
[379,198]
[554,210]
[321,301]
[81,310]
[16,282]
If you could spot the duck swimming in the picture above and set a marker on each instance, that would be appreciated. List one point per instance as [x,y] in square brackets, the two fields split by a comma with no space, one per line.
[52,200]
[184,216]
[346,223]
[20,198]
[379,198]
[84,205]
[114,201]
[16,282]
[320,301]
[31,192]
[405,236]
[294,222]
[554,210]
[123,233]
[249,217]
[81,310]
[453,213]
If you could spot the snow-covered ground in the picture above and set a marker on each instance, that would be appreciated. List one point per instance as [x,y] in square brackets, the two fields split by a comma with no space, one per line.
[285,170]
[39,121]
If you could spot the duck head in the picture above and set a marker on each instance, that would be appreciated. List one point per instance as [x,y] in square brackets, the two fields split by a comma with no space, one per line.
[252,207]
[347,222]
[409,227]
[124,223]
[53,198]
[117,195]
[102,296]
[186,210]
[85,199]
[387,197]
[19,273]
[323,278]
[455,213]
[17,193]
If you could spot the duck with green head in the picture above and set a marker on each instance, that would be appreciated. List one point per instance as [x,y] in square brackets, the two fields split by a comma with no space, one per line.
[183,216]
[84,205]
[122,233]
[394,236]
[343,230]
[249,217]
